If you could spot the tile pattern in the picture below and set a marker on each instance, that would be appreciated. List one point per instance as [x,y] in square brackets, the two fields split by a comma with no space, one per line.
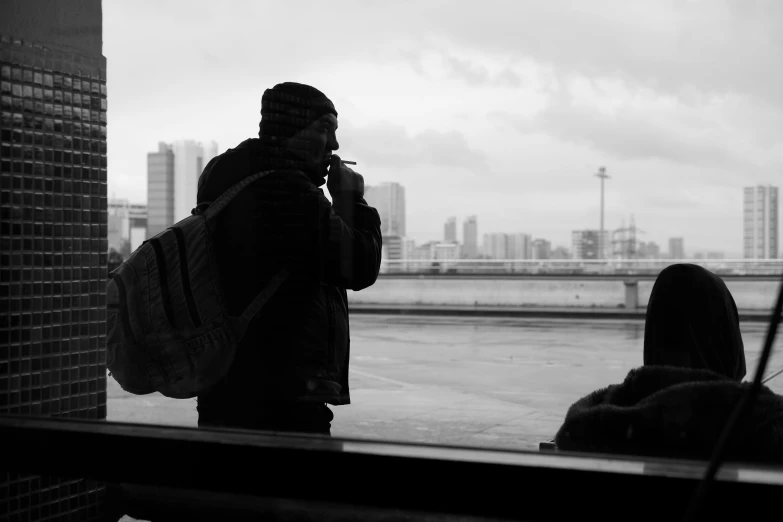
[53,244]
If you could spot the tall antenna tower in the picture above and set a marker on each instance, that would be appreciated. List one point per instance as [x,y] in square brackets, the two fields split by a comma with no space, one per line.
[601,247]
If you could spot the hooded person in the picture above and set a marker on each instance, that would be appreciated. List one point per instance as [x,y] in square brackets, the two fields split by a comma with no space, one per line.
[293,360]
[678,403]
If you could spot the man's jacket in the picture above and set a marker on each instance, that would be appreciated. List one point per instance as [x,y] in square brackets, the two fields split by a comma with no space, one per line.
[298,347]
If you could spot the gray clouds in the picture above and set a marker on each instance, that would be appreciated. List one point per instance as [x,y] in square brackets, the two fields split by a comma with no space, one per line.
[392,146]
[730,46]
[632,135]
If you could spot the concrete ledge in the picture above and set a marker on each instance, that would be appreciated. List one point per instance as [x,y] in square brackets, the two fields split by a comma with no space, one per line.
[757,316]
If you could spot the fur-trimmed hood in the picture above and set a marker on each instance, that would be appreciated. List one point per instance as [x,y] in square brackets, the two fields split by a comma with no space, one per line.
[673,412]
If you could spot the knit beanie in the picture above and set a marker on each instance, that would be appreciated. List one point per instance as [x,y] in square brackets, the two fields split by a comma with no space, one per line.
[289,107]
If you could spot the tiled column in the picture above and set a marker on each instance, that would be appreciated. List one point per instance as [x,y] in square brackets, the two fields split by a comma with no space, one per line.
[53,254]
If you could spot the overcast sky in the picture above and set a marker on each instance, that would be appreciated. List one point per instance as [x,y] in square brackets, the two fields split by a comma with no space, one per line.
[503,109]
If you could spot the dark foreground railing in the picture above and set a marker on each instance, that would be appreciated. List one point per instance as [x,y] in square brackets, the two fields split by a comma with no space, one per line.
[200,474]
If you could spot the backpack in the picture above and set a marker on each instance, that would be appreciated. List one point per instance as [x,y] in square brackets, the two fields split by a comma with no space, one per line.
[168,329]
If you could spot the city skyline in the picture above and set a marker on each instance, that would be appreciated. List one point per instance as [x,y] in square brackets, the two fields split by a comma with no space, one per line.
[534,106]
[392,199]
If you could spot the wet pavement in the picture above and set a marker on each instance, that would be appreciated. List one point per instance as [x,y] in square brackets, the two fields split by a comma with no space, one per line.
[487,382]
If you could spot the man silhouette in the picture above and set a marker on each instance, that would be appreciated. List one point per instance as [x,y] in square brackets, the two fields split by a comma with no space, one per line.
[293,360]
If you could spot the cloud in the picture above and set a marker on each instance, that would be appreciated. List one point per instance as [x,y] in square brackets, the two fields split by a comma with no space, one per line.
[467,72]
[630,134]
[392,146]
[729,46]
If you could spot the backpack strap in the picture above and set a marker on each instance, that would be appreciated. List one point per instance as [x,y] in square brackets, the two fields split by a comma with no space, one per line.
[239,324]
[210,210]
[214,208]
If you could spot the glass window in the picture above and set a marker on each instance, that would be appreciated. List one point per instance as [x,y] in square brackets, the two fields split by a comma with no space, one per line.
[480,133]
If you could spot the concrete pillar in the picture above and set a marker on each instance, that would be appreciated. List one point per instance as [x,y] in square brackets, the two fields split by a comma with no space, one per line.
[631,294]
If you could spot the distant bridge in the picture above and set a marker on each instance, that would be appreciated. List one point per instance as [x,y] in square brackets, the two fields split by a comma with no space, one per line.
[563,268]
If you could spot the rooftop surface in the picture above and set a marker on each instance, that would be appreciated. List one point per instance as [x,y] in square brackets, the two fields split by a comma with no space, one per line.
[477,381]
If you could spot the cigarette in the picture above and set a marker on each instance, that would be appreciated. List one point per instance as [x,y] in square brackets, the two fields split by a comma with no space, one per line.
[348,162]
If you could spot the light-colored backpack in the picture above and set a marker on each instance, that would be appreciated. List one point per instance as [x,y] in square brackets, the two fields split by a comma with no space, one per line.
[168,329]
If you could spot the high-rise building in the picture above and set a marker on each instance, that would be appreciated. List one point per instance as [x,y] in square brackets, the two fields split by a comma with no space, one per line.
[495,246]
[389,200]
[118,223]
[53,236]
[450,251]
[470,247]
[123,217]
[649,250]
[392,252]
[172,181]
[160,190]
[450,230]
[541,249]
[676,248]
[519,246]
[761,222]
[585,244]
[190,158]
[560,252]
